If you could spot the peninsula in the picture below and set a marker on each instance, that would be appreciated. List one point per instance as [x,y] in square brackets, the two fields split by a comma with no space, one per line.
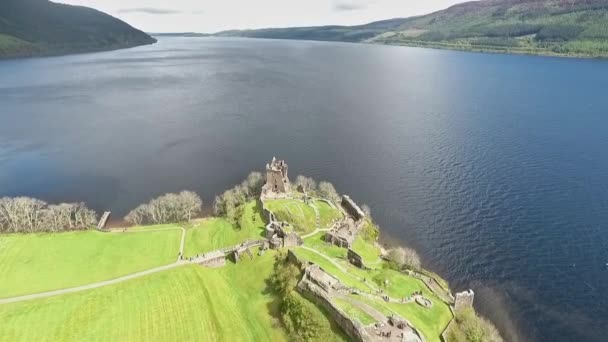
[31,28]
[278,260]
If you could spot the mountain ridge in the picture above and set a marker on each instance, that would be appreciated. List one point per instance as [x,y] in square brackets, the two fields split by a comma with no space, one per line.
[546,27]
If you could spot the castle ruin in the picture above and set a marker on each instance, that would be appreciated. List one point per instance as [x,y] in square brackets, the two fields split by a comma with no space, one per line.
[344,231]
[464,300]
[277,181]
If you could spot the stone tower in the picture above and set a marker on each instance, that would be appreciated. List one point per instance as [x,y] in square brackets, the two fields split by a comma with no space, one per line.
[277,183]
[464,300]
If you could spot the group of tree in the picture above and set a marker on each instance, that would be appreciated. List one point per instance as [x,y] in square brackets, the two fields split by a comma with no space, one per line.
[323,189]
[469,327]
[230,203]
[168,208]
[300,317]
[30,215]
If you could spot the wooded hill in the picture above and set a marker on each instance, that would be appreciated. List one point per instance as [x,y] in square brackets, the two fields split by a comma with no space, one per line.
[41,27]
[552,27]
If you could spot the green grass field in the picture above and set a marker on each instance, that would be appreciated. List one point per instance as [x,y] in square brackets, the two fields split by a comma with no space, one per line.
[42,262]
[188,303]
[327,213]
[318,242]
[214,233]
[430,322]
[367,250]
[300,215]
[354,312]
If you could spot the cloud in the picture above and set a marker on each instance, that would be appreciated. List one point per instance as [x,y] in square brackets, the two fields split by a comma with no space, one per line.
[349,5]
[148,10]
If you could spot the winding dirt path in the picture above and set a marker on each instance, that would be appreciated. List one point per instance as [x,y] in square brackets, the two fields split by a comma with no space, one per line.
[315,232]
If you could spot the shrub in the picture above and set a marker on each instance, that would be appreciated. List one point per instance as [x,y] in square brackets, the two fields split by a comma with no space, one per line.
[328,191]
[472,328]
[405,258]
[307,183]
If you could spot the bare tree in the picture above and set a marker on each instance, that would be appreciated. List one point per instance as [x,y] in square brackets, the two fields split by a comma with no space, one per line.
[28,215]
[327,190]
[191,204]
[404,257]
[168,208]
[253,184]
[307,183]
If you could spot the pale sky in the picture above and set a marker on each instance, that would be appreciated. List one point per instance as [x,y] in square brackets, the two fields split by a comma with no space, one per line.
[217,15]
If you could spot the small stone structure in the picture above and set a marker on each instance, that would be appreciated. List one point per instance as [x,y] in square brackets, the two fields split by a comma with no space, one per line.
[424,302]
[277,181]
[103,220]
[344,232]
[464,300]
[354,258]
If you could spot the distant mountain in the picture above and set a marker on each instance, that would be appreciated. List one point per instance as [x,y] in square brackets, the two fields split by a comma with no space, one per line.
[180,34]
[549,27]
[41,27]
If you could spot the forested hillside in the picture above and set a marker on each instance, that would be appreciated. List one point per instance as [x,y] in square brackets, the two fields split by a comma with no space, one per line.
[552,27]
[41,27]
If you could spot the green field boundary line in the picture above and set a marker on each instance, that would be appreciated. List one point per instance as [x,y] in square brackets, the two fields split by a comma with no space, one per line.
[111,281]
[181,244]
[91,286]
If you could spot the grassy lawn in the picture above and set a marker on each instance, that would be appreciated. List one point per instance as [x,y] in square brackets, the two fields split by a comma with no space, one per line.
[154,227]
[346,278]
[42,262]
[399,285]
[214,233]
[430,322]
[188,303]
[301,216]
[318,242]
[367,250]
[354,312]
[327,213]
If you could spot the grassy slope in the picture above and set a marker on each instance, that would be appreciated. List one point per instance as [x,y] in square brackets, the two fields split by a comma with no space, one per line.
[430,322]
[368,251]
[327,214]
[296,212]
[214,233]
[354,312]
[42,262]
[189,303]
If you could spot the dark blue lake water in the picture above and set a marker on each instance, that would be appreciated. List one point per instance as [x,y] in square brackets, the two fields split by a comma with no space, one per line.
[494,167]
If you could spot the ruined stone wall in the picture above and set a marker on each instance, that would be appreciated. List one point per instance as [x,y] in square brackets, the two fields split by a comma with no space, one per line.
[464,300]
[352,329]
[352,208]
[216,262]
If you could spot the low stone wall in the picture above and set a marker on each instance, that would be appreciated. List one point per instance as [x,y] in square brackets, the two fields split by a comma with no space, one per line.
[352,329]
